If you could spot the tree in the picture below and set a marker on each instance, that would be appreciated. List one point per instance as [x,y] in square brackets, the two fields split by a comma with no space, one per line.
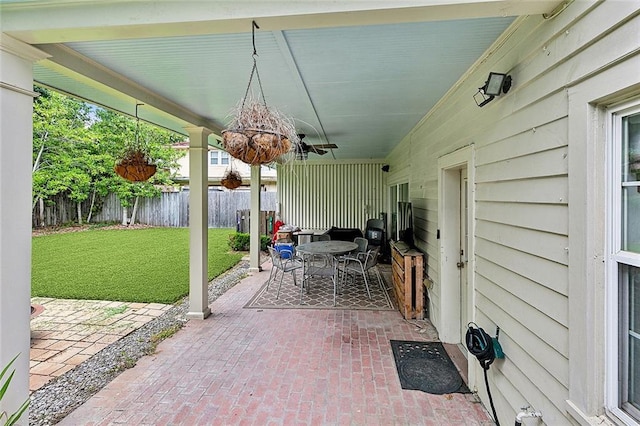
[61,132]
[76,146]
[118,133]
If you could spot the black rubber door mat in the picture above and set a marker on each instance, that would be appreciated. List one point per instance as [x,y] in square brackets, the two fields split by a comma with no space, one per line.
[426,366]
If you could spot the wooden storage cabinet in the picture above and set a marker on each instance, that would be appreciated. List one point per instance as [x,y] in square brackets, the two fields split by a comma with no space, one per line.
[407,267]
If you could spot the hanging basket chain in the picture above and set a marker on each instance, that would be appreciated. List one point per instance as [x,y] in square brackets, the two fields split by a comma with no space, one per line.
[258,134]
[135,165]
[264,100]
[137,125]
[254,69]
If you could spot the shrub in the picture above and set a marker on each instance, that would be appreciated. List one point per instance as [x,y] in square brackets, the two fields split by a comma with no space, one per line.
[241,241]
[265,240]
[11,419]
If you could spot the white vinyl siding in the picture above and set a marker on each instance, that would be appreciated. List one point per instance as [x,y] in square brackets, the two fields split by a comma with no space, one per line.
[539,223]
[523,190]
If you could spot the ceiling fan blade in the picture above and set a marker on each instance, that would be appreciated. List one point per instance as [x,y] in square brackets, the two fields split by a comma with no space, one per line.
[315,145]
[315,150]
[325,145]
[303,148]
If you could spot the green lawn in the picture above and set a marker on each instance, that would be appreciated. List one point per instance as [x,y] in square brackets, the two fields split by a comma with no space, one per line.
[133,265]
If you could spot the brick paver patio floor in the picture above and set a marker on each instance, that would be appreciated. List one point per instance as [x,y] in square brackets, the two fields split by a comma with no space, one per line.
[276,367]
[68,332]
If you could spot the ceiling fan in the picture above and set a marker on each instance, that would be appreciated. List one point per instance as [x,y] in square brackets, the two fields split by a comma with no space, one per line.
[303,149]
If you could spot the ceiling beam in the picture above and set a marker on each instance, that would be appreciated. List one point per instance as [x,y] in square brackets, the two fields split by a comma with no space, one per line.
[42,22]
[68,61]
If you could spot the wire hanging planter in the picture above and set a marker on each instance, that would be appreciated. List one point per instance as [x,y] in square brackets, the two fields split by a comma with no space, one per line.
[231,179]
[135,165]
[258,134]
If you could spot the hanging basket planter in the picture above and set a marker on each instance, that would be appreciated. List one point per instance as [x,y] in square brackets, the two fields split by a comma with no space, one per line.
[135,167]
[254,147]
[231,180]
[258,134]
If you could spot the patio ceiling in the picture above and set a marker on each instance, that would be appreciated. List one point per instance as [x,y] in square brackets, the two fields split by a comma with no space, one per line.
[354,73]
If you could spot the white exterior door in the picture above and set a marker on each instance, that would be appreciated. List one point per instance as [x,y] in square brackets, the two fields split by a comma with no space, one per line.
[455,224]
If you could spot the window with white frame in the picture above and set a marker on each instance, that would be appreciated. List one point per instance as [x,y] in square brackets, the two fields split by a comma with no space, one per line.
[623,390]
[397,193]
[218,158]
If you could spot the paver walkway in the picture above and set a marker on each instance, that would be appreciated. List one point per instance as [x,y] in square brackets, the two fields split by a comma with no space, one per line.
[278,367]
[68,332]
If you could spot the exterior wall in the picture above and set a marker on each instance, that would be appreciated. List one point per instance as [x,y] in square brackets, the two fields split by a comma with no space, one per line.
[525,179]
[216,172]
[321,195]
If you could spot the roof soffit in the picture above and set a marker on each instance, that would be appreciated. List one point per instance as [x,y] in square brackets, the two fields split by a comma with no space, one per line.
[38,22]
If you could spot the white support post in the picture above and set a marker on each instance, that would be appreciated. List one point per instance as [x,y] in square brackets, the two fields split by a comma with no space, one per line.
[254,225]
[198,223]
[16,142]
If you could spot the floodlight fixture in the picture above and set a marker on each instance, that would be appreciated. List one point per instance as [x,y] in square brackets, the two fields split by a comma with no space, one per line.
[496,84]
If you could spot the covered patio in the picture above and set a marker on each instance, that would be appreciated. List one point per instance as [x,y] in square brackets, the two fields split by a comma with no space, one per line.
[277,367]
[118,55]
[515,197]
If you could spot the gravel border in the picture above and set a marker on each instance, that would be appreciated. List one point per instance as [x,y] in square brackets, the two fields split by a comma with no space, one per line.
[52,402]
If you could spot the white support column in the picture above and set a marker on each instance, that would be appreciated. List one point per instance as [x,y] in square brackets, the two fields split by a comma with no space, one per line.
[254,231]
[198,223]
[16,141]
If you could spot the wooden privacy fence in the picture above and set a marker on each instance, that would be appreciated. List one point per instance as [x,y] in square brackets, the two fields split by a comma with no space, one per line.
[171,209]
[267,220]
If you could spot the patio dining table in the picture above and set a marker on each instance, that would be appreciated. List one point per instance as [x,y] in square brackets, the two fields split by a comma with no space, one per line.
[328,250]
[332,247]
